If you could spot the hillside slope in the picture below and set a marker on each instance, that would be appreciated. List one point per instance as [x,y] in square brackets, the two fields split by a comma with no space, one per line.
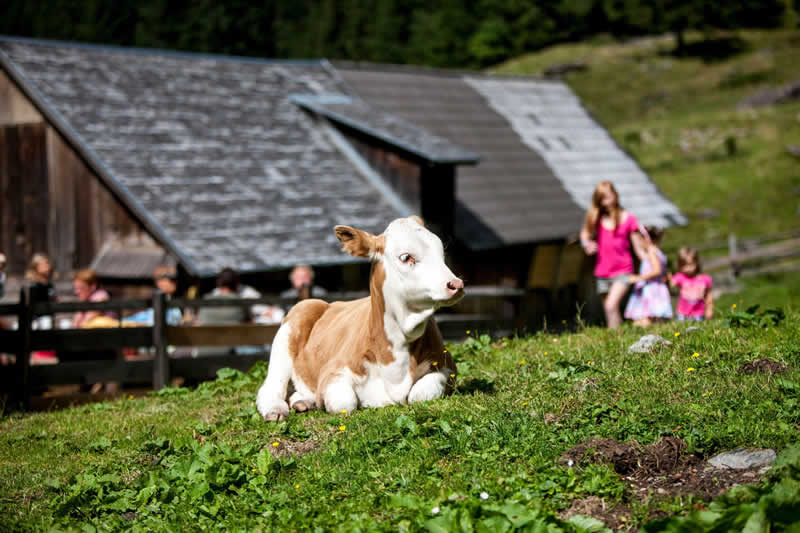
[727,168]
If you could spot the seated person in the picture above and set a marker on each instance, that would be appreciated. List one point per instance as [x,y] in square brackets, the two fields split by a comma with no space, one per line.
[227,287]
[165,279]
[302,279]
[87,289]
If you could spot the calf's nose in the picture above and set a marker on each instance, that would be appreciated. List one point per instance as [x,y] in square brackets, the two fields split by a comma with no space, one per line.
[454,285]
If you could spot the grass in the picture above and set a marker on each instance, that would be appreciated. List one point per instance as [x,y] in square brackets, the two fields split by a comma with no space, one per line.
[485,457]
[675,115]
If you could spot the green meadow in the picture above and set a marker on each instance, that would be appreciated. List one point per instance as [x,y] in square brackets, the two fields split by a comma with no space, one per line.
[491,457]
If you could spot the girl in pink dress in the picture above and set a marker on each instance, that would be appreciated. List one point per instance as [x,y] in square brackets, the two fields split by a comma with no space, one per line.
[608,232]
[695,301]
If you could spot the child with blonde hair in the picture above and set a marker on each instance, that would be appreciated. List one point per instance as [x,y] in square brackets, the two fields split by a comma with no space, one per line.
[650,299]
[608,232]
[695,301]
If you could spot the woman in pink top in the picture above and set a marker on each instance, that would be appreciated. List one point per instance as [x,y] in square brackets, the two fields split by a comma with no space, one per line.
[608,233]
[86,288]
[694,299]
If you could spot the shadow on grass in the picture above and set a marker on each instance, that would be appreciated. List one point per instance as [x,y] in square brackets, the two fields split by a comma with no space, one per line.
[711,50]
[474,385]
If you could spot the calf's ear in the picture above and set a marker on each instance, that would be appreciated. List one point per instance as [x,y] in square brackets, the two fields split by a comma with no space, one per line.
[418,220]
[359,243]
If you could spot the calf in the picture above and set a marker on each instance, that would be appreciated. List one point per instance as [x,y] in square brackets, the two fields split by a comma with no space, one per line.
[380,350]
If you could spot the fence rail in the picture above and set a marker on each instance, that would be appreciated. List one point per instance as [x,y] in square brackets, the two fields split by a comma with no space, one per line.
[23,378]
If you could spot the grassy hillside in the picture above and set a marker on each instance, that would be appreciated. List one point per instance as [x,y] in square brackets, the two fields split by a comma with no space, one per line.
[674,116]
[498,455]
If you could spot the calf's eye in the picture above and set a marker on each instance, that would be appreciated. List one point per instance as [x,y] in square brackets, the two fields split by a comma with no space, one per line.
[406,258]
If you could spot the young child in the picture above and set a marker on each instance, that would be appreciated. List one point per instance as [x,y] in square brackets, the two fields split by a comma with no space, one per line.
[608,232]
[694,299]
[650,300]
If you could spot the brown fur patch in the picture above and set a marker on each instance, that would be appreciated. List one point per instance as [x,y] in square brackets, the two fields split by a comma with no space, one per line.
[355,242]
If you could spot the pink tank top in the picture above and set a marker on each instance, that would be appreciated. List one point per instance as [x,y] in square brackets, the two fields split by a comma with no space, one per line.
[614,256]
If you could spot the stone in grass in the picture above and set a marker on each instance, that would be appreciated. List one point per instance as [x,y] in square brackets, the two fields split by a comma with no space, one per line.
[648,343]
[744,458]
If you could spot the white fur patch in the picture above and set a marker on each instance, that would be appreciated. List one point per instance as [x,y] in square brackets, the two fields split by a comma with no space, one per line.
[271,398]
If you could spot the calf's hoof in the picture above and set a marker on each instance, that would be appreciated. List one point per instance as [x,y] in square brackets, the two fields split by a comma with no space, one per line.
[302,406]
[275,415]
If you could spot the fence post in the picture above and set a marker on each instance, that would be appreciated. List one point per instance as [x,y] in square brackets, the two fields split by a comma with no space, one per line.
[24,326]
[161,361]
[733,251]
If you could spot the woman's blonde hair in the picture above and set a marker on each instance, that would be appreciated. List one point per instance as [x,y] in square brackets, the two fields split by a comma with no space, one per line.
[87,275]
[597,209]
[689,255]
[31,273]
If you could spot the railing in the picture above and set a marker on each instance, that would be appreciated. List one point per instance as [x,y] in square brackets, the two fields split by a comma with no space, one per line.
[21,378]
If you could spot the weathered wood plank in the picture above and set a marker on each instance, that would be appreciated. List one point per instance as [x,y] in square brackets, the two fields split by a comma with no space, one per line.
[222,335]
[76,340]
[138,371]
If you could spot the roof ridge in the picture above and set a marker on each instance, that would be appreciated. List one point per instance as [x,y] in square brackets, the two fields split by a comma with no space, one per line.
[139,50]
[440,71]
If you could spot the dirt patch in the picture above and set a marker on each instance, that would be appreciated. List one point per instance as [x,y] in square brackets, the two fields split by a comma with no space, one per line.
[289,448]
[614,517]
[659,469]
[763,366]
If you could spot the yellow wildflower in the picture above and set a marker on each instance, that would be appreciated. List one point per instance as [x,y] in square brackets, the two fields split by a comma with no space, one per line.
[695,354]
[452,375]
[677,333]
[733,306]
[276,444]
[690,369]
[524,404]
[590,362]
[436,363]
[467,332]
[130,396]
[344,411]
[522,362]
[297,486]
[342,428]
[545,353]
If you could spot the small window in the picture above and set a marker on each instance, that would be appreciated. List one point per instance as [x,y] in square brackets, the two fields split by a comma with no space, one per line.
[565,143]
[543,142]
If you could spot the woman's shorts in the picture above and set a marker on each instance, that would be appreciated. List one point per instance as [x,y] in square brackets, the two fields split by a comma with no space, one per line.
[604,284]
[684,318]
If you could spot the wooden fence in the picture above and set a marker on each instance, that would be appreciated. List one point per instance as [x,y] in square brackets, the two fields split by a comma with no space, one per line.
[22,378]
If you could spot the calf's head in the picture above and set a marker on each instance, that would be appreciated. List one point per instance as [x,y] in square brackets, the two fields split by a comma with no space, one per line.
[412,259]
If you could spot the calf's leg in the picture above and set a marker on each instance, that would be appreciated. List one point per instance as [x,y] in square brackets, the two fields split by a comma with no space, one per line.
[271,398]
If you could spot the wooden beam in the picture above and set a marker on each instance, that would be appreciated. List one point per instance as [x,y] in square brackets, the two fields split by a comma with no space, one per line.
[91,339]
[139,371]
[221,335]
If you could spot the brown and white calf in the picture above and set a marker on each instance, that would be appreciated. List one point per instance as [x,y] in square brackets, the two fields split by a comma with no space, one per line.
[380,350]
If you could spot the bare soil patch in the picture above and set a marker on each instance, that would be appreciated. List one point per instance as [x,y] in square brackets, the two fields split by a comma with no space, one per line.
[659,469]
[764,365]
[289,448]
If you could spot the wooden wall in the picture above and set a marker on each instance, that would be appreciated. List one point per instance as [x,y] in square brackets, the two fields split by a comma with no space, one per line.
[50,200]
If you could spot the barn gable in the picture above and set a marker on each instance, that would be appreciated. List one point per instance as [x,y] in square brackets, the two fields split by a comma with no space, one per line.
[209,152]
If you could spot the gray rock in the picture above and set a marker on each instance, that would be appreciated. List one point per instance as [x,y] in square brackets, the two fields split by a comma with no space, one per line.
[744,458]
[647,343]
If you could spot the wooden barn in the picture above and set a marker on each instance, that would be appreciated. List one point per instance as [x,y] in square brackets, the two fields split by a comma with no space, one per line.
[126,158]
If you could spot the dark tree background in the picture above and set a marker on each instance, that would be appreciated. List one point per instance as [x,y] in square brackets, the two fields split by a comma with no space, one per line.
[440,33]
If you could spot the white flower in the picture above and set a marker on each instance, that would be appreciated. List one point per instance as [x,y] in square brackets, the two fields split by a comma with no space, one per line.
[484,495]
[435,510]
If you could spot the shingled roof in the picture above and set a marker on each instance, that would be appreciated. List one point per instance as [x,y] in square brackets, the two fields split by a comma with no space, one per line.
[209,151]
[541,153]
